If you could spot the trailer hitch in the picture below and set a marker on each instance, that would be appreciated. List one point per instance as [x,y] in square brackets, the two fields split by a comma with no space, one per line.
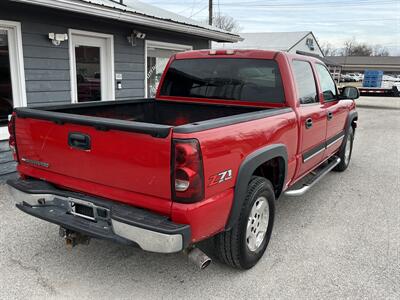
[73,238]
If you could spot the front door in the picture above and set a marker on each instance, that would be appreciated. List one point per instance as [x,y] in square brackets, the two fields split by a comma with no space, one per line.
[12,79]
[336,110]
[91,67]
[312,118]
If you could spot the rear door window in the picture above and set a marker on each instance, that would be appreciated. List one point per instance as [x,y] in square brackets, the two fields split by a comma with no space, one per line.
[305,82]
[253,80]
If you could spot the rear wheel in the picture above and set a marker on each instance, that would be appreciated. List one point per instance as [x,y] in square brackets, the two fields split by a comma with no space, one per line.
[345,153]
[244,245]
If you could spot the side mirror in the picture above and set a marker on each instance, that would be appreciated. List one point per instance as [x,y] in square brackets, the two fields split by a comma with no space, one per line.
[350,92]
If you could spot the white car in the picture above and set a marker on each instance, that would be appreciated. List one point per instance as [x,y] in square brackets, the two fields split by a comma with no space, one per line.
[355,76]
[360,76]
[346,78]
[390,78]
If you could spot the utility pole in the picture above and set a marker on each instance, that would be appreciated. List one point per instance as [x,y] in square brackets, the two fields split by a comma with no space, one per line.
[210,12]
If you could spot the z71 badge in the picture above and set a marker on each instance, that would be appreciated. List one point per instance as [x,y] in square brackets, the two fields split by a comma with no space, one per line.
[220,177]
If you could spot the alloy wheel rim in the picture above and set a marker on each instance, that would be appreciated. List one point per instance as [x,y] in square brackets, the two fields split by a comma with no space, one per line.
[257,224]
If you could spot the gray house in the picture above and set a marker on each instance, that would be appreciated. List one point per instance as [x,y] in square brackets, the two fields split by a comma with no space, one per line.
[70,51]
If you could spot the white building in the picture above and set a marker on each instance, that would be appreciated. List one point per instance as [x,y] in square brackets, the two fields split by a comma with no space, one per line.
[291,42]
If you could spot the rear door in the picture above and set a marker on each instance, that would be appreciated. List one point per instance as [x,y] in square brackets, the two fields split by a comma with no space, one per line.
[312,117]
[336,110]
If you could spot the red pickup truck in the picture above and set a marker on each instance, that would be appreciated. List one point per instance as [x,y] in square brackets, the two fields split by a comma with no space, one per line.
[227,134]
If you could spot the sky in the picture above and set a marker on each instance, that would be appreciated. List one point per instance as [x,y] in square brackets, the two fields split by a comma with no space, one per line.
[333,21]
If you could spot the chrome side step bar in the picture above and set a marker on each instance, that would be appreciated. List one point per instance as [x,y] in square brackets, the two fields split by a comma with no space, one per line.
[318,176]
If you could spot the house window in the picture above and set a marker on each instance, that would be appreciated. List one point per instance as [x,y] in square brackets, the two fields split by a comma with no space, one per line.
[310,44]
[157,57]
[12,78]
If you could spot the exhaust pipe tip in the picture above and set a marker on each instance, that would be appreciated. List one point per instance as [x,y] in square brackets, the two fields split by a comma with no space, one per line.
[199,258]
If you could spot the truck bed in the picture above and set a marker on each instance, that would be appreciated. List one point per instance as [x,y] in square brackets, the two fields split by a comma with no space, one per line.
[149,116]
[156,112]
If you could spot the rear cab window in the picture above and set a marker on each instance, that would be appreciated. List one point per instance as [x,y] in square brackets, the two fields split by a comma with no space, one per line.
[250,80]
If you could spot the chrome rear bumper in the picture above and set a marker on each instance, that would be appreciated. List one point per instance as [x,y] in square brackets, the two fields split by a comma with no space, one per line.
[99,218]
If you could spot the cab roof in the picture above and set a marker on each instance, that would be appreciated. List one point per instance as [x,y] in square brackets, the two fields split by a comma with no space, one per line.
[236,53]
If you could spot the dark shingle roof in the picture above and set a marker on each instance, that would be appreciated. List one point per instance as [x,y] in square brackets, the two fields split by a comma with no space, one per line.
[366,60]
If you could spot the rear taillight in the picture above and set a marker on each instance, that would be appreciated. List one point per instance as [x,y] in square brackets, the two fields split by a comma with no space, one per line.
[187,177]
[11,140]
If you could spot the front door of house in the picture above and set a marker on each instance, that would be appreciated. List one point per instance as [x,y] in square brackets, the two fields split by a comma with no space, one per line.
[12,81]
[91,67]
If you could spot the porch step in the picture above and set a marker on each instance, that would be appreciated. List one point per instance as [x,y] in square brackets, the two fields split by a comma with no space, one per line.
[8,167]
[4,146]
[317,176]
[6,157]
[4,178]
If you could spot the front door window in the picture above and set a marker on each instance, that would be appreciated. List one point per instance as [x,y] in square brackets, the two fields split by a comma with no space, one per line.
[328,86]
[6,97]
[88,73]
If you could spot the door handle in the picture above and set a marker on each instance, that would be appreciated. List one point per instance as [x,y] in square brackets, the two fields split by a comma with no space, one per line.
[309,123]
[330,116]
[79,141]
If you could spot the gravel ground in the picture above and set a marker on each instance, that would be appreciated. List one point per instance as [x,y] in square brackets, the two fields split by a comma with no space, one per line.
[341,240]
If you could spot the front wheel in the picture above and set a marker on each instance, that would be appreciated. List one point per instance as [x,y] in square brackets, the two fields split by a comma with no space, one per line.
[345,153]
[244,245]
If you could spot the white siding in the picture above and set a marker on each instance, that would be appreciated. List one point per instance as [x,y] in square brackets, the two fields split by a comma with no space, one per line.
[302,46]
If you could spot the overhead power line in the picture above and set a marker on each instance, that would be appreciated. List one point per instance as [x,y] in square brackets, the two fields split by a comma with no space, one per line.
[199,11]
[332,21]
[296,3]
[309,4]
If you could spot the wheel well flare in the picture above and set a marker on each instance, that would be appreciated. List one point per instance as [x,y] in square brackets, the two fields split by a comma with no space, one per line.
[274,171]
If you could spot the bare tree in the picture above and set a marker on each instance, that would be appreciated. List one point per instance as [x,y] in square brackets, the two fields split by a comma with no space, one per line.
[361,50]
[227,23]
[348,47]
[353,48]
[378,50]
[328,49]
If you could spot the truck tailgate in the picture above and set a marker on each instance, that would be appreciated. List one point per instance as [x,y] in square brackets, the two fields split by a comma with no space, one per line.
[131,164]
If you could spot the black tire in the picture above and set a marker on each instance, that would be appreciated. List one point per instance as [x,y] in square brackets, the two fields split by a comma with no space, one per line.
[343,153]
[231,245]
